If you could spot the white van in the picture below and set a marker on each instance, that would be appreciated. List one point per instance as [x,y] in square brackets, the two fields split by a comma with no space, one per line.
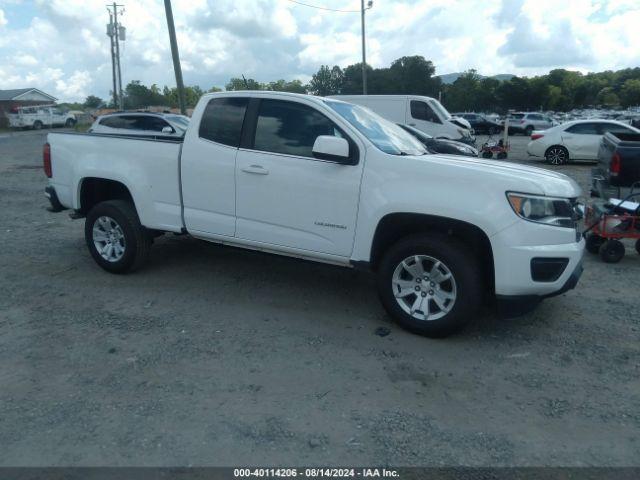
[424,113]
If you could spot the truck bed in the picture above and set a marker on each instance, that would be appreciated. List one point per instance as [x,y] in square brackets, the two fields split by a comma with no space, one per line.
[148,166]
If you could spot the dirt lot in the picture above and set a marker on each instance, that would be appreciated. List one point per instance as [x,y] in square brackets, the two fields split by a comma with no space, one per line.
[216,356]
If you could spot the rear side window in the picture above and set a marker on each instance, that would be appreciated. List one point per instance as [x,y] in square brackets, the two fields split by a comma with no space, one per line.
[112,122]
[584,129]
[535,116]
[422,111]
[613,128]
[290,128]
[148,122]
[222,120]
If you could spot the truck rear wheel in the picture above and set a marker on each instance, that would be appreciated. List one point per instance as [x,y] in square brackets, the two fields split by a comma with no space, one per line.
[430,284]
[116,239]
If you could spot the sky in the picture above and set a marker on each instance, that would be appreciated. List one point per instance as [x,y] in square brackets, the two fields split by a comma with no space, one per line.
[61,47]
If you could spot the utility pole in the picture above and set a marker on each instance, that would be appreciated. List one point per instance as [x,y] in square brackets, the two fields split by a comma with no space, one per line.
[116,33]
[117,40]
[113,59]
[364,52]
[364,49]
[175,55]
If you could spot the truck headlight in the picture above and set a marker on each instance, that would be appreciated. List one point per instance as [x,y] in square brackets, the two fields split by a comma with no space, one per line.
[558,212]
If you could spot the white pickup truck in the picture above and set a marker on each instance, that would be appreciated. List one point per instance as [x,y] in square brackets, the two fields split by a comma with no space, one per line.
[328,181]
[39,116]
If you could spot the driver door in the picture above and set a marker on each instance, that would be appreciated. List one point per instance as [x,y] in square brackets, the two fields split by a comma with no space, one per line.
[284,196]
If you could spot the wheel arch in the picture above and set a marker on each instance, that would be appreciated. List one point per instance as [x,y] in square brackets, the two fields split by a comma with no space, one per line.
[394,226]
[93,190]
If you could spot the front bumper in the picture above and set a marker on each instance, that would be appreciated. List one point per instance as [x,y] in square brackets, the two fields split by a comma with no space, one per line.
[515,305]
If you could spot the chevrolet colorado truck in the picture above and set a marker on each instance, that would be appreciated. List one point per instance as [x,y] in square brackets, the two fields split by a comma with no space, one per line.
[328,181]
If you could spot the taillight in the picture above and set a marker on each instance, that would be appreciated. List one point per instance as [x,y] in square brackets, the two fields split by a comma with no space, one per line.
[522,121]
[616,165]
[46,160]
[14,110]
[536,136]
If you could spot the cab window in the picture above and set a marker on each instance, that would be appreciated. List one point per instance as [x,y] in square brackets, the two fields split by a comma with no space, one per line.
[422,111]
[290,128]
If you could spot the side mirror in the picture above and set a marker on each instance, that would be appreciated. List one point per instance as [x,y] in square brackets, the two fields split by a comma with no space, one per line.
[168,130]
[335,149]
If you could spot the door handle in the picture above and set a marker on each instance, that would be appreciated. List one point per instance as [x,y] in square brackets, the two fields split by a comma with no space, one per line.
[256,169]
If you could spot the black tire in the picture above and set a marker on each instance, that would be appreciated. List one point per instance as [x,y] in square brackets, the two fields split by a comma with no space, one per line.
[487,155]
[556,155]
[612,251]
[70,122]
[593,243]
[454,257]
[137,241]
[501,155]
[528,131]
[37,125]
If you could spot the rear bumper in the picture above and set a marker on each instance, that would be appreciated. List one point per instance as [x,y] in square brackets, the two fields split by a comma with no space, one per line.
[52,196]
[515,305]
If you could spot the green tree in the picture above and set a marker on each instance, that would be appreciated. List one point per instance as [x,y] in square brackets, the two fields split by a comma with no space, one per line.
[242,84]
[414,75]
[326,81]
[93,102]
[295,86]
[608,98]
[630,93]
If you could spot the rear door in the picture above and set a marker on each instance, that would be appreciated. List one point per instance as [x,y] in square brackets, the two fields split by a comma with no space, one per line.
[287,198]
[208,167]
[582,140]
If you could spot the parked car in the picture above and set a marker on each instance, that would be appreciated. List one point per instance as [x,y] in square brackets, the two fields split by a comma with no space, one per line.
[39,116]
[328,181]
[424,113]
[526,123]
[618,166]
[481,124]
[441,145]
[141,123]
[576,140]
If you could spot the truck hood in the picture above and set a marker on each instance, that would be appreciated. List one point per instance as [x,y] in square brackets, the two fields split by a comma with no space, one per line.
[515,177]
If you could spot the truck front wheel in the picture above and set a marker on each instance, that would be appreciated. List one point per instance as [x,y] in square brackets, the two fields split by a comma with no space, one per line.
[430,284]
[116,239]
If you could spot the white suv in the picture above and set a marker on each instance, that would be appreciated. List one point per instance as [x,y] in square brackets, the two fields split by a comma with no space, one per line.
[141,123]
[526,123]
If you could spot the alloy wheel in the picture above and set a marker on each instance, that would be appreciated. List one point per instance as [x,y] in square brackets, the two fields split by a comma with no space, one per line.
[108,238]
[424,287]
[557,156]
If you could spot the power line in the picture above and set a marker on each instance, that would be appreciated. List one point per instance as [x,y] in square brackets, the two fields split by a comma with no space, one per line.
[323,8]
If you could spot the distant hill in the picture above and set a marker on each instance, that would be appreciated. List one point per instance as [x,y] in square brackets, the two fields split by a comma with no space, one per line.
[449,78]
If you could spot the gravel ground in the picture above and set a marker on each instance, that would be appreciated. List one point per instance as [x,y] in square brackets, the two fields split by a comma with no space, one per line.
[217,356]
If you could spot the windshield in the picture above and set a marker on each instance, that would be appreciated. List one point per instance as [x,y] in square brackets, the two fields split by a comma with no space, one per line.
[384,134]
[179,121]
[437,106]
